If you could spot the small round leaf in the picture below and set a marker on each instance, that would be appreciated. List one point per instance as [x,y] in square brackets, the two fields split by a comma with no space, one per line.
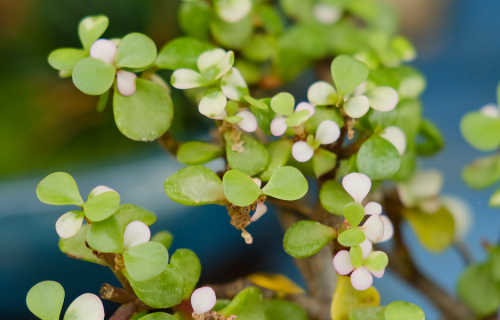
[305,238]
[403,310]
[93,76]
[188,264]
[378,159]
[197,152]
[135,51]
[146,260]
[287,183]
[240,189]
[65,59]
[91,28]
[45,300]
[348,73]
[59,188]
[106,235]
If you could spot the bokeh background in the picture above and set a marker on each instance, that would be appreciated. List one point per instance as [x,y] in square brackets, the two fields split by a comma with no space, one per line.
[47,125]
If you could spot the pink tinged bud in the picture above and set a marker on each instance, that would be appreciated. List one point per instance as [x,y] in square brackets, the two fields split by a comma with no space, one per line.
[373,208]
[342,262]
[302,151]
[203,300]
[69,224]
[125,82]
[378,274]
[259,212]
[278,126]
[490,110]
[366,248]
[104,50]
[136,233]
[357,185]
[249,122]
[388,229]
[361,279]
[327,132]
[373,228]
[305,106]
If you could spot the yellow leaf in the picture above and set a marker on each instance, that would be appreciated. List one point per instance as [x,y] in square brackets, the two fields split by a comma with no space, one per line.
[435,231]
[346,299]
[276,282]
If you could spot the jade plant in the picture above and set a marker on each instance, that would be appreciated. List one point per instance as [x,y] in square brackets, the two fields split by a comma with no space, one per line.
[337,163]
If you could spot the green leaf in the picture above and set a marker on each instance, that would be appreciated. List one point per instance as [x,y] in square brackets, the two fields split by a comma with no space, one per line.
[435,231]
[368,314]
[45,300]
[233,85]
[333,197]
[231,35]
[163,291]
[495,263]
[279,153]
[323,161]
[354,213]
[181,52]
[260,47]
[212,103]
[233,119]
[93,76]
[271,19]
[106,236]
[348,73]
[482,173]
[351,237]
[478,289]
[91,28]
[297,118]
[158,316]
[65,59]
[481,131]
[264,117]
[378,159]
[195,186]
[346,299]
[256,103]
[408,115]
[305,238]
[146,260]
[221,304]
[403,310]
[495,199]
[376,261]
[101,206]
[103,101]
[283,310]
[252,160]
[163,237]
[135,51]
[286,183]
[197,152]
[356,256]
[188,264]
[432,138]
[75,247]
[194,18]
[283,103]
[145,115]
[321,114]
[130,212]
[59,188]
[240,189]
[249,304]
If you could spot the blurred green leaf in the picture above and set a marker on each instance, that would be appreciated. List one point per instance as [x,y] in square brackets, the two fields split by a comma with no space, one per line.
[249,304]
[163,237]
[283,310]
[279,152]
[348,73]
[181,52]
[378,159]
[194,18]
[436,231]
[323,161]
[481,131]
[197,152]
[376,313]
[482,173]
[351,237]
[478,289]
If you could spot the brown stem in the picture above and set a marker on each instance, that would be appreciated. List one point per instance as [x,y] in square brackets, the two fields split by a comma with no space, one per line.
[118,295]
[109,258]
[125,312]
[168,143]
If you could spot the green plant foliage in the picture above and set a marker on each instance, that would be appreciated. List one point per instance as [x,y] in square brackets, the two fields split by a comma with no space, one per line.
[93,76]
[354,213]
[194,18]
[65,59]
[75,247]
[305,238]
[478,289]
[135,51]
[101,206]
[286,183]
[197,152]
[59,188]
[279,153]
[403,310]
[91,28]
[376,313]
[348,73]
[106,235]
[283,310]
[130,212]
[333,197]
[351,237]
[482,173]
[45,300]
[249,304]
[158,316]
[163,237]
[323,161]
[283,103]
[181,52]
[146,260]
[432,139]
[252,160]
[240,189]
[346,299]
[189,266]
[378,159]
[195,186]
[481,131]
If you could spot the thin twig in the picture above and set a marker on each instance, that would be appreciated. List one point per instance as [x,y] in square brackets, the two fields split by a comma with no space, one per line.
[125,312]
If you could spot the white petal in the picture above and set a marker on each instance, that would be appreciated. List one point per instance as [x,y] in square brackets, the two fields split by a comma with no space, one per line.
[278,126]
[357,185]
[203,300]
[430,205]
[210,58]
[86,307]
[249,122]
[224,65]
[356,107]
[136,232]
[388,229]
[366,247]
[233,10]
[342,262]
[233,85]
[378,274]
[361,279]
[327,14]
[461,212]
[257,181]
[187,79]
[405,195]
[373,228]
[259,211]
[125,81]
[327,132]
[98,190]
[373,208]
[396,136]
[305,106]
[69,224]
[104,50]
[424,184]
[220,116]
[319,91]
[490,110]
[383,98]
[212,103]
[302,151]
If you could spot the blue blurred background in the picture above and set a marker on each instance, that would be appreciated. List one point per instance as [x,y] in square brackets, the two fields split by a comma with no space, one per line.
[46,125]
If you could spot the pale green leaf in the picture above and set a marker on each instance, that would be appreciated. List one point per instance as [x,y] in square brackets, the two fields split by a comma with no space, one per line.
[130,212]
[482,173]
[351,237]
[135,51]
[378,159]
[436,231]
[180,53]
[249,304]
[286,183]
[348,73]
[93,76]
[333,197]
[65,59]
[240,189]
[283,103]
[188,264]
[305,238]
[91,28]
[106,236]
[59,188]
[481,131]
[146,260]
[75,247]
[252,160]
[279,153]
[403,310]
[101,206]
[197,152]
[45,300]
